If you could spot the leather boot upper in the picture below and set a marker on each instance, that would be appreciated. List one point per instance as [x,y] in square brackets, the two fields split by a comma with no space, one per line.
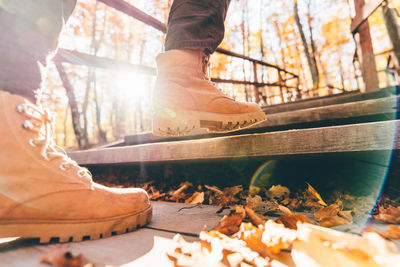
[182,83]
[38,181]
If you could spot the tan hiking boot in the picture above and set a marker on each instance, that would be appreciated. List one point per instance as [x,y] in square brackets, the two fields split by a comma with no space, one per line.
[185,99]
[44,194]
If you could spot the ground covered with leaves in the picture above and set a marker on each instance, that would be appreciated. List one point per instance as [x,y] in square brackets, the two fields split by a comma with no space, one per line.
[277,227]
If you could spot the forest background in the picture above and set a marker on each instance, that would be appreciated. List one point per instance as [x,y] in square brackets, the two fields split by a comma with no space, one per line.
[115,103]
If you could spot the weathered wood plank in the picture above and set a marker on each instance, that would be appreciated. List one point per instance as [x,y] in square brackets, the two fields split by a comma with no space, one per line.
[387,105]
[327,100]
[144,247]
[384,106]
[184,218]
[347,138]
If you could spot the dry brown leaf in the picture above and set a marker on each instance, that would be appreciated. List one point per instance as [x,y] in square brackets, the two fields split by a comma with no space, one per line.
[256,202]
[254,190]
[214,189]
[278,192]
[230,224]
[234,190]
[61,257]
[392,232]
[196,198]
[285,210]
[277,237]
[231,251]
[294,204]
[315,195]
[346,214]
[323,247]
[182,187]
[325,212]
[311,204]
[240,210]
[389,214]
[372,230]
[255,219]
[291,220]
[252,236]
[332,221]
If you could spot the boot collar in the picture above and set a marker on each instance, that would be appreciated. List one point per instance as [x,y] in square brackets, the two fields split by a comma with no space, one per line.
[195,60]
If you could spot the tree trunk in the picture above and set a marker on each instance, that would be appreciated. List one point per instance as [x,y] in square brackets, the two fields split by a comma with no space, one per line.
[79,133]
[242,27]
[102,135]
[392,27]
[310,59]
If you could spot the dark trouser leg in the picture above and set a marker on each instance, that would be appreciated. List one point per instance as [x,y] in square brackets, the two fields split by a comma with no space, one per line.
[196,24]
[29,32]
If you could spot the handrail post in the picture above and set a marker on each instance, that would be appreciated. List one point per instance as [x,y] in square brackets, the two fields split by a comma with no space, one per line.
[256,91]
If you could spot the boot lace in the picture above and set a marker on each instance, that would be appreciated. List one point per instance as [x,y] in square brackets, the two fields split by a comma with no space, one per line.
[206,64]
[42,121]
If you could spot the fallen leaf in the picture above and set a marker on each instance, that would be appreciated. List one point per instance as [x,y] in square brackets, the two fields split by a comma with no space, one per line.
[278,192]
[252,236]
[372,230]
[347,214]
[231,251]
[392,232]
[291,220]
[294,204]
[323,247]
[256,202]
[389,214]
[277,237]
[196,198]
[332,221]
[229,224]
[311,204]
[325,212]
[254,190]
[61,257]
[285,210]
[255,219]
[240,210]
[214,189]
[182,187]
[234,190]
[314,194]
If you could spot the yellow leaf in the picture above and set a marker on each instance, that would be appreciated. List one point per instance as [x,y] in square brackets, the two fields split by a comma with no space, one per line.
[310,190]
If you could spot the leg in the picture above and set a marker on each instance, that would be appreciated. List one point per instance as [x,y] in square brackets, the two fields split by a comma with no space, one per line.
[196,24]
[28,34]
[184,98]
[43,193]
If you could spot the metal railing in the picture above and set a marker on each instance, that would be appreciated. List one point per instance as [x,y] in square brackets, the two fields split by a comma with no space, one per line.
[79,58]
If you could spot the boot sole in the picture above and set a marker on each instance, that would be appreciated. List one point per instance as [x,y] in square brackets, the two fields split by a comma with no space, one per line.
[75,230]
[181,123]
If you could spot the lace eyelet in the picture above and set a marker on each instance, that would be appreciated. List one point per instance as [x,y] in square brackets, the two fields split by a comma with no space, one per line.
[32,142]
[27,125]
[21,108]
[81,173]
[62,166]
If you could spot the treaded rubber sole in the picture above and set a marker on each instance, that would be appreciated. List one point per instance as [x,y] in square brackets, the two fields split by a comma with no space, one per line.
[181,123]
[75,230]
